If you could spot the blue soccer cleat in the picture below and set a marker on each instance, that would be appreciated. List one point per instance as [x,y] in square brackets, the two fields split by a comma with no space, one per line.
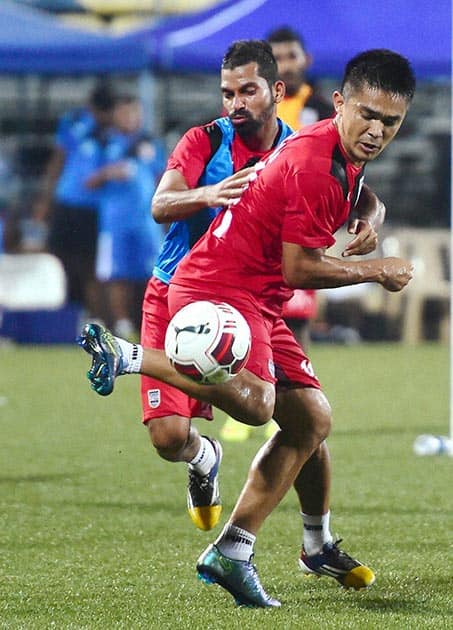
[337,564]
[107,357]
[237,577]
[203,495]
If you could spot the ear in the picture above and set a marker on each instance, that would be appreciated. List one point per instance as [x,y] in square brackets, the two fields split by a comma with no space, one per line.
[278,91]
[338,101]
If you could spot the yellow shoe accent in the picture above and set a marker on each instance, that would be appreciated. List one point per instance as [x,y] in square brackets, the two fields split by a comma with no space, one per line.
[359,577]
[234,431]
[335,563]
[205,518]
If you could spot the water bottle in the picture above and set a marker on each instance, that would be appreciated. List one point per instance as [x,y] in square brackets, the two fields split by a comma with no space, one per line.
[433,445]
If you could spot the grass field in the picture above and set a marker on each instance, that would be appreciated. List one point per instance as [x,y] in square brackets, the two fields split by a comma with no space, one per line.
[93,527]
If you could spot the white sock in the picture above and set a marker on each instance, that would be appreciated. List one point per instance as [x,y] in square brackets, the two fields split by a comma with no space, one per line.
[316,532]
[235,543]
[205,459]
[132,356]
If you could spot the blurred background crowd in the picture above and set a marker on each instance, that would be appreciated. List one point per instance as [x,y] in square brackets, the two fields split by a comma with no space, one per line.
[94,95]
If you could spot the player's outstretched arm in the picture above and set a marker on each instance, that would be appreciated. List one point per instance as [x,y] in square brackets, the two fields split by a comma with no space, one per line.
[313,269]
[174,200]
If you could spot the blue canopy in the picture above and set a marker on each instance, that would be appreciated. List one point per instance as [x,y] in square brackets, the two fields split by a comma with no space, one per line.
[33,42]
[333,31]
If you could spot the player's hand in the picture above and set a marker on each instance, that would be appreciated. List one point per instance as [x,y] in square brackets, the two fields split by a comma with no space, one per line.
[231,188]
[365,241]
[118,171]
[396,273]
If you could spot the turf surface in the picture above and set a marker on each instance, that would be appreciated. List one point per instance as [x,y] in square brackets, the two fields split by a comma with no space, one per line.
[94,531]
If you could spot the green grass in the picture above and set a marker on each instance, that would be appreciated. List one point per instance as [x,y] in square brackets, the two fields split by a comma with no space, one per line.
[93,527]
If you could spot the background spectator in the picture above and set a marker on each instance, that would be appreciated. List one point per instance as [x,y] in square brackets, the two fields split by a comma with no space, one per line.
[129,238]
[66,201]
[303,103]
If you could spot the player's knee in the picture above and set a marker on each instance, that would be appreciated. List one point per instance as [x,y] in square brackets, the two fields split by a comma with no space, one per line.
[266,404]
[321,418]
[323,426]
[306,414]
[258,403]
[169,436]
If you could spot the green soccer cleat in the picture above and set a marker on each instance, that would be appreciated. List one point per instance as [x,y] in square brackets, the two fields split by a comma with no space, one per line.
[203,495]
[237,577]
[107,357]
[337,564]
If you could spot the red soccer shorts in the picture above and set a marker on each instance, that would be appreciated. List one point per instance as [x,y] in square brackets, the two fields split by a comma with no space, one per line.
[159,399]
[275,355]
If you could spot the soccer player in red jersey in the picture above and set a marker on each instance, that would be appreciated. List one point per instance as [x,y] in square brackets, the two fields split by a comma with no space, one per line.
[275,239]
[208,169]
[197,180]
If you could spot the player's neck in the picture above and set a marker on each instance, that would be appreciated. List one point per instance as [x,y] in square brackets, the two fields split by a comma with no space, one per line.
[357,163]
[266,137]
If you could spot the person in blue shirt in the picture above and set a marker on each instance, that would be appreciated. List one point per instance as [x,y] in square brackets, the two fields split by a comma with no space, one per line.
[129,238]
[67,203]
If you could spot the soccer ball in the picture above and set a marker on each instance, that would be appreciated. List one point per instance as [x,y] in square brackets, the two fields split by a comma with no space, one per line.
[208,342]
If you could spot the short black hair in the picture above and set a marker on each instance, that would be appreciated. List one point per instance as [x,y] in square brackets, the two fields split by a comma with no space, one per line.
[103,96]
[284,34]
[382,69]
[246,51]
[126,98]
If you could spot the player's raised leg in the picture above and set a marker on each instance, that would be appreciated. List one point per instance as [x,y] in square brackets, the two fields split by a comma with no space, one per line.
[245,397]
[107,358]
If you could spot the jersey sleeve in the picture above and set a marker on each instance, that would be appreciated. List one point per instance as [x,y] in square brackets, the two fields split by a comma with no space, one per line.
[313,201]
[191,155]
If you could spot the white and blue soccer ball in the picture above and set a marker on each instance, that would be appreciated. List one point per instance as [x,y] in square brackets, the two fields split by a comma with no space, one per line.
[208,342]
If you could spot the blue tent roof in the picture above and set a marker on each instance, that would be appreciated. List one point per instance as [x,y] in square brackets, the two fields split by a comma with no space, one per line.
[33,42]
[333,31]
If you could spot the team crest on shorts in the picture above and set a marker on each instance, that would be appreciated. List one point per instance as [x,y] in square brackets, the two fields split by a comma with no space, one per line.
[308,368]
[154,398]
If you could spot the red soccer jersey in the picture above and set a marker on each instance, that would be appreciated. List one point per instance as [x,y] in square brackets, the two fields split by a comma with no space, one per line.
[194,151]
[303,195]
